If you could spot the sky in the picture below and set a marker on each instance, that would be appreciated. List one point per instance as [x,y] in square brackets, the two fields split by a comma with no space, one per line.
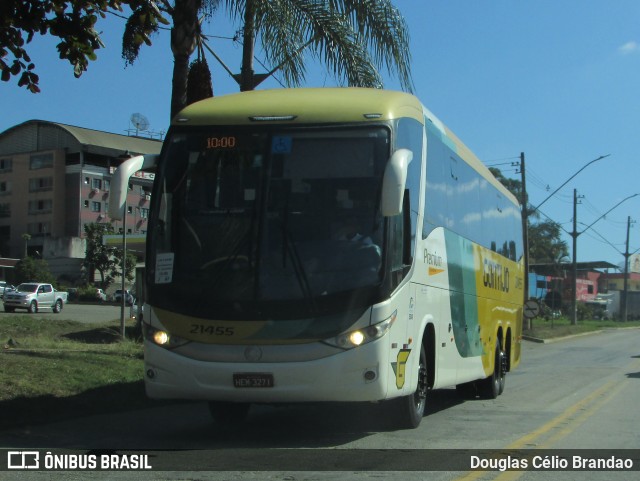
[556,80]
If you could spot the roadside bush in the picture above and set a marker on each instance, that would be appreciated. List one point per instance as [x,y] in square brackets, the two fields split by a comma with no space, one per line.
[584,311]
[87,293]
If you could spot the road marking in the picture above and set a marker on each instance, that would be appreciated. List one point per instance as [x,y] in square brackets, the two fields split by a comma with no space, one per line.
[585,408]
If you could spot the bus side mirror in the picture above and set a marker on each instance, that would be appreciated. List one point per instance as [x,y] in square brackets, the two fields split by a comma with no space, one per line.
[120,181]
[394,182]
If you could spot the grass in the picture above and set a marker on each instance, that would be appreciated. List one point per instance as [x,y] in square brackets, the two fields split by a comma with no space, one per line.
[53,369]
[561,327]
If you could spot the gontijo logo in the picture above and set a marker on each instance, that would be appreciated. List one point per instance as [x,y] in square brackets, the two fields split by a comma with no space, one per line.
[495,276]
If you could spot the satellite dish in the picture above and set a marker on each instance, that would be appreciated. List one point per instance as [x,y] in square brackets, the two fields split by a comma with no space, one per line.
[140,122]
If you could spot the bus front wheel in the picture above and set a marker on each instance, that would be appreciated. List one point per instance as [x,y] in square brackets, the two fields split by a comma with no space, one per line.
[410,409]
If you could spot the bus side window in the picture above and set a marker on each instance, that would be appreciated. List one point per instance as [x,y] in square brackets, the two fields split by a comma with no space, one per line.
[410,136]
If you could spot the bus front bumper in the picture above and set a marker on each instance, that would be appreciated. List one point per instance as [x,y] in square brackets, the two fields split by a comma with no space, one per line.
[359,374]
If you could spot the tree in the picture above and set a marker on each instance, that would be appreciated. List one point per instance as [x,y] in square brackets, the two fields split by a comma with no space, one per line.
[130,265]
[355,39]
[545,245]
[72,21]
[29,269]
[106,260]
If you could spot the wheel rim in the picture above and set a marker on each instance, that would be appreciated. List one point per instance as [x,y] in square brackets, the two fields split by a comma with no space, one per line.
[420,396]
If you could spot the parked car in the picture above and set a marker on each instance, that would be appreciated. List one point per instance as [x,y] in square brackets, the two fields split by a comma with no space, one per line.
[117,297]
[33,296]
[5,287]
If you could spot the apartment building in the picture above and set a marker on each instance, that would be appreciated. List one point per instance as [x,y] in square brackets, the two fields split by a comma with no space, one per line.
[54,179]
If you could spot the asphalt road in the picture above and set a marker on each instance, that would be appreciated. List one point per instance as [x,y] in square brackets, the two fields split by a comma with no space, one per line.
[579,393]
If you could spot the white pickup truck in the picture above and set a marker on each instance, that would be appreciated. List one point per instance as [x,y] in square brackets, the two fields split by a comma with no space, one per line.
[33,296]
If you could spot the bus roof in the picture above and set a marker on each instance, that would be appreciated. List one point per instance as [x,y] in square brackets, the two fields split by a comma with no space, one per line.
[324,105]
[305,105]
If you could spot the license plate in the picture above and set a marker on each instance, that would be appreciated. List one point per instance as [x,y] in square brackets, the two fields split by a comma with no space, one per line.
[252,379]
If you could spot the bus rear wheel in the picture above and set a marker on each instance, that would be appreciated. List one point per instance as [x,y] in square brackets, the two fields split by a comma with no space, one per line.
[493,386]
[228,414]
[410,409]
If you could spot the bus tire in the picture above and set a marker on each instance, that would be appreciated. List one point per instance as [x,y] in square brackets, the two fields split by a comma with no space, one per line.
[228,414]
[493,386]
[409,410]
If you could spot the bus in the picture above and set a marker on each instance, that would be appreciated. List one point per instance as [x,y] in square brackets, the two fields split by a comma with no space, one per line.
[331,244]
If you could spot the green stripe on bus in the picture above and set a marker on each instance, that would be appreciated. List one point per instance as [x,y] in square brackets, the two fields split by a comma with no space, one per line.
[463,295]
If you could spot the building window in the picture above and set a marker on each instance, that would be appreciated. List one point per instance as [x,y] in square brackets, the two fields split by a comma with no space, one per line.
[39,228]
[144,213]
[107,185]
[40,184]
[129,209]
[96,184]
[40,161]
[5,187]
[42,206]
[6,165]
[5,210]
[96,206]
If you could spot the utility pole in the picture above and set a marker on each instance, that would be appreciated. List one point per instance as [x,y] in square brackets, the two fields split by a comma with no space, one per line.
[625,289]
[574,266]
[575,235]
[525,230]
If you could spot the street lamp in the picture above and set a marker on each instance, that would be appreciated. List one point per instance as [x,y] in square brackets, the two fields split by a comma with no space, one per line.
[27,238]
[124,269]
[625,289]
[567,181]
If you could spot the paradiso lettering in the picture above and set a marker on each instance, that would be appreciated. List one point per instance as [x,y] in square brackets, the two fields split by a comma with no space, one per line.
[495,276]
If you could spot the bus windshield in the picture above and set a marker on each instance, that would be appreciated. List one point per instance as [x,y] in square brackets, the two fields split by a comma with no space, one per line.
[245,218]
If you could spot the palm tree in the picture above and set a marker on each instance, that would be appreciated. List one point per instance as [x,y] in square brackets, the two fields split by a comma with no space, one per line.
[354,39]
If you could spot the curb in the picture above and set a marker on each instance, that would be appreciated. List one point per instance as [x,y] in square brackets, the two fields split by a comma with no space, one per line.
[558,339]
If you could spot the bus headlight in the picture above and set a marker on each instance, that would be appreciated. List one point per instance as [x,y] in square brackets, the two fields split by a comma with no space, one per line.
[162,338]
[358,337]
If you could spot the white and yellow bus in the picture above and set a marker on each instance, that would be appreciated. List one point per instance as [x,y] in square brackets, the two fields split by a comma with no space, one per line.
[312,245]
